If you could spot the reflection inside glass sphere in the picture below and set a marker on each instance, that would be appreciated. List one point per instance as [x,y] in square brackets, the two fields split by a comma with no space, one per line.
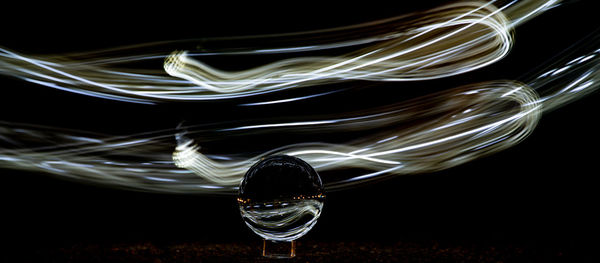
[280,198]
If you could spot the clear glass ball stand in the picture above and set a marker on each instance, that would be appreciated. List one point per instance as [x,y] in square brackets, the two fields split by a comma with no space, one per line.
[279,249]
[280,199]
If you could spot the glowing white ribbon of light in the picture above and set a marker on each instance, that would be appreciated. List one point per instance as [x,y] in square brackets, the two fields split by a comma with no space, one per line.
[444,41]
[455,126]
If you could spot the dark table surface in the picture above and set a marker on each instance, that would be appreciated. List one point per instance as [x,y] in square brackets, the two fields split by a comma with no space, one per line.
[307,251]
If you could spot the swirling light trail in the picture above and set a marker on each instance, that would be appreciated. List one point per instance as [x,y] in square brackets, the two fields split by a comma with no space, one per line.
[444,41]
[460,125]
[453,127]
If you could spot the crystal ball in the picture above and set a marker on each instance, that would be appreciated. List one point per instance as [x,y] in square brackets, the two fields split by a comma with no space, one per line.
[281,197]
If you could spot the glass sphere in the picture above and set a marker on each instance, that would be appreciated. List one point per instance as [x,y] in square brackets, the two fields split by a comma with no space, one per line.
[281,197]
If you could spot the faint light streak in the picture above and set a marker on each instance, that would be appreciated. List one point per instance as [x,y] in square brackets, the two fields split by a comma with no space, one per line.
[288,100]
[347,156]
[274,125]
[583,86]
[85,139]
[160,179]
[387,139]
[374,174]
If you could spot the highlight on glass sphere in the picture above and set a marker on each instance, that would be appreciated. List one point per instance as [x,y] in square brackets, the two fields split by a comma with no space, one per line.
[280,198]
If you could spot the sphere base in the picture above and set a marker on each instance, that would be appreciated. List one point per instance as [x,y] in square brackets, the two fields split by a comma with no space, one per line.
[279,249]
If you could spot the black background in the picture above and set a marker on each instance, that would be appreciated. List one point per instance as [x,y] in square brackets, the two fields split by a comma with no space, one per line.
[542,190]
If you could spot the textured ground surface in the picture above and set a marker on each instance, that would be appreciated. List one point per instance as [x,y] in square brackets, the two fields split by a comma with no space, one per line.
[308,251]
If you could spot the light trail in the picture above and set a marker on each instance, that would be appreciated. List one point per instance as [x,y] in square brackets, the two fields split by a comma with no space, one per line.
[444,41]
[453,127]
[426,134]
